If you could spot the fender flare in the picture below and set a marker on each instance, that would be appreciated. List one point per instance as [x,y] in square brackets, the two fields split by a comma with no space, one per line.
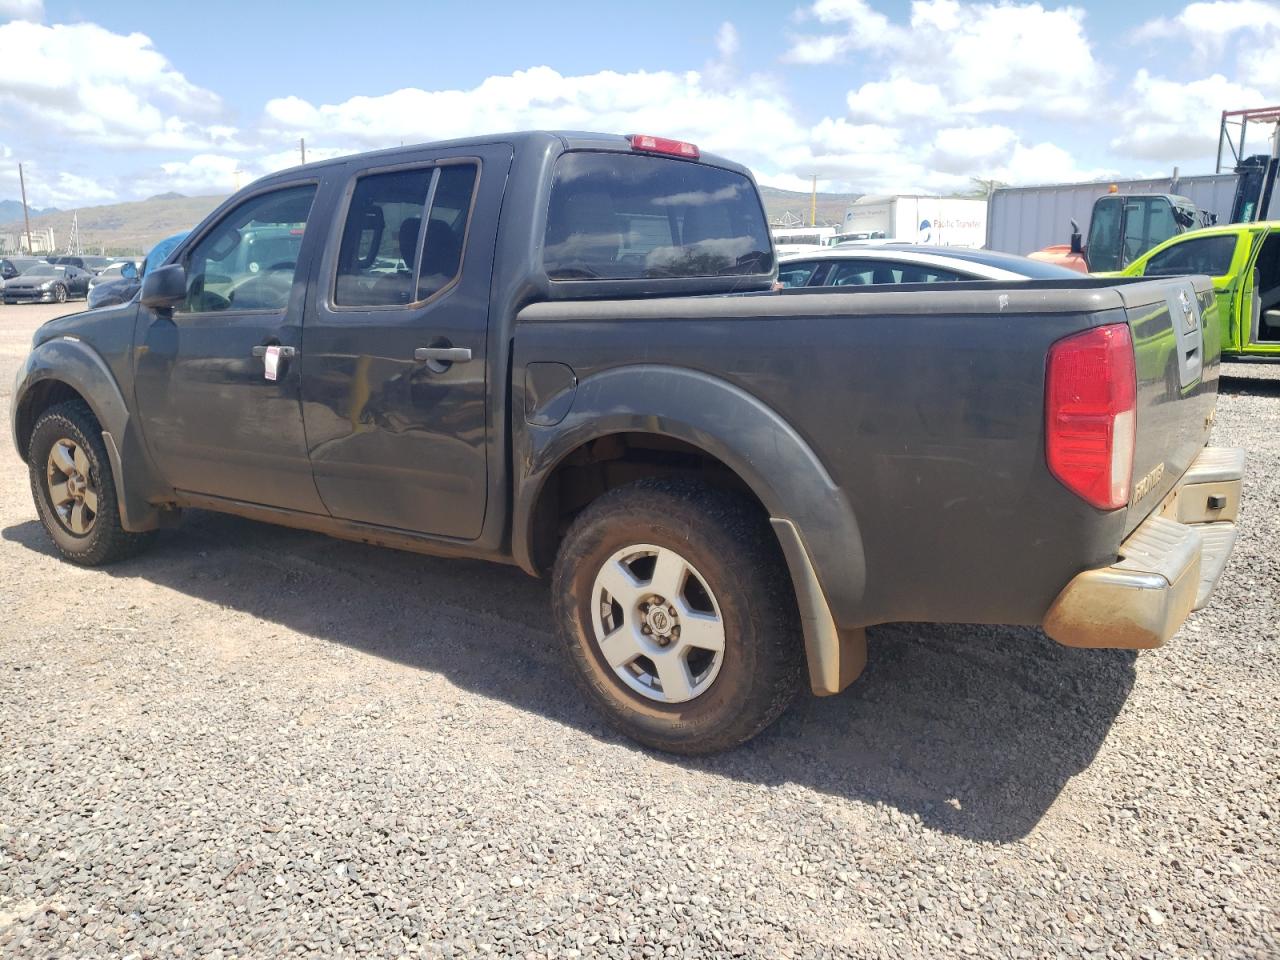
[733,426]
[70,361]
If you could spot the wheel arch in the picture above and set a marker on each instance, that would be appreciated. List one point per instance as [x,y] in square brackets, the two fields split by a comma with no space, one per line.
[66,368]
[690,413]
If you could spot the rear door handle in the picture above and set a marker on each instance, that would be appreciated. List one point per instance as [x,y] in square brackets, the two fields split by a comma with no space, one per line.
[261,351]
[443,354]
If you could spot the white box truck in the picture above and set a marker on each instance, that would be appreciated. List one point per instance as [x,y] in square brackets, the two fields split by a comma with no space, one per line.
[940,221]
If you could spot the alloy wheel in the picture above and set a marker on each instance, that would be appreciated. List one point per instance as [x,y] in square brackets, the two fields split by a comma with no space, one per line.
[657,623]
[72,491]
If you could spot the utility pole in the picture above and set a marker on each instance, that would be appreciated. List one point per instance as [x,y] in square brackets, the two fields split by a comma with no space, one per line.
[302,145]
[26,217]
[813,203]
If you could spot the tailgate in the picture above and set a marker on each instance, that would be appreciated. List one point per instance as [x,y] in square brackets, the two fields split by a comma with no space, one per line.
[1177,341]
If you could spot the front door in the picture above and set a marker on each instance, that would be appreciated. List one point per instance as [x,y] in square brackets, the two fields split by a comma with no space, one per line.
[393,378]
[216,421]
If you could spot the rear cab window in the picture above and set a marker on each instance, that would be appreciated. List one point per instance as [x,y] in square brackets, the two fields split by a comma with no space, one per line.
[617,216]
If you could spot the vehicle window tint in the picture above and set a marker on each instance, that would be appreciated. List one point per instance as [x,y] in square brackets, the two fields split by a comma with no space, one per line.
[446,227]
[796,274]
[378,254]
[248,260]
[628,217]
[387,256]
[858,273]
[1104,234]
[1208,255]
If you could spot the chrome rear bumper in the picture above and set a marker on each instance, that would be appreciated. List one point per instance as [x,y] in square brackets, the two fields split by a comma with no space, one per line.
[1168,567]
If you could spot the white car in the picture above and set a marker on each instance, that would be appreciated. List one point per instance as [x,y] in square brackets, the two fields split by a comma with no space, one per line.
[858,265]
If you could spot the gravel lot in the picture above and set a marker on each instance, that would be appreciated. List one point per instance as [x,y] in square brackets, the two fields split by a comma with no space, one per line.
[254,742]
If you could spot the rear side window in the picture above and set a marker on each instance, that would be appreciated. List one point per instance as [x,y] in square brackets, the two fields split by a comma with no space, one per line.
[1208,255]
[857,273]
[393,250]
[623,217]
[796,274]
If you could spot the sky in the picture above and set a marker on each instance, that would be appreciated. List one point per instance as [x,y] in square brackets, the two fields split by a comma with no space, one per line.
[116,101]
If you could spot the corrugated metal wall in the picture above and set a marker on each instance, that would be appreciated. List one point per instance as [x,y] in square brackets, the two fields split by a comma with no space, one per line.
[1025,219]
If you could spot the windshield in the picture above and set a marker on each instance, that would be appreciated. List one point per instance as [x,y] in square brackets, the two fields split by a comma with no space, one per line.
[627,217]
[46,270]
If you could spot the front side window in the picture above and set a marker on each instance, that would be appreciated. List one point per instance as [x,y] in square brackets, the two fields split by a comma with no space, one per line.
[248,260]
[1208,255]
[393,251]
[629,217]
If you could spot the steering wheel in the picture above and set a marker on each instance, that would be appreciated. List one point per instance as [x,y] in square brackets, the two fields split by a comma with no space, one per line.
[283,265]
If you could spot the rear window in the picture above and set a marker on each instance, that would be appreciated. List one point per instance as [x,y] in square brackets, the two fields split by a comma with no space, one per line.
[623,217]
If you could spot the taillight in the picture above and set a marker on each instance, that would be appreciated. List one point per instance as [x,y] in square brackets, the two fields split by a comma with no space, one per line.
[675,148]
[1090,399]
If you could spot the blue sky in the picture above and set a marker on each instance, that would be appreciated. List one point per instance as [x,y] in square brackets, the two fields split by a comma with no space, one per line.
[122,100]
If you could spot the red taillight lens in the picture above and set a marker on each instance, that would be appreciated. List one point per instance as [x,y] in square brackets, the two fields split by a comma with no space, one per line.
[1090,399]
[675,148]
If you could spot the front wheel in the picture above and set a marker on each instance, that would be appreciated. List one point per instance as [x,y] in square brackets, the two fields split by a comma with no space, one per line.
[59,293]
[677,616]
[74,489]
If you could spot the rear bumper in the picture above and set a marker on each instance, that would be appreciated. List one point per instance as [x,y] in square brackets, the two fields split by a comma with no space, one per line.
[1168,567]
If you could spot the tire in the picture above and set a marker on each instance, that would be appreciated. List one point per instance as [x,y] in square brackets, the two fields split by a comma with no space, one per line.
[59,293]
[91,537]
[732,579]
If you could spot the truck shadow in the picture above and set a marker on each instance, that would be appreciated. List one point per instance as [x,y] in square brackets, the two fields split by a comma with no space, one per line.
[1235,385]
[974,730]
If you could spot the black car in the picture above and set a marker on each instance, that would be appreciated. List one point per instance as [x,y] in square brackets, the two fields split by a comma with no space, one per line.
[11,267]
[47,283]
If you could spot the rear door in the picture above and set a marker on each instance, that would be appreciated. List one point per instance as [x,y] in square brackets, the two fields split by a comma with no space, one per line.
[394,374]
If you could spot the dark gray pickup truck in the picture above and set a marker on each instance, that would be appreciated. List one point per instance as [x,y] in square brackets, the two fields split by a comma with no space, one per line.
[564,351]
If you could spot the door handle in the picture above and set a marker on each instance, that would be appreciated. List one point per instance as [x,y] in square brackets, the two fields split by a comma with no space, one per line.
[261,351]
[443,354]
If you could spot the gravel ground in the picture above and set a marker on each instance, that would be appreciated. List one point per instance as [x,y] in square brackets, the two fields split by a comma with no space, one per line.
[254,742]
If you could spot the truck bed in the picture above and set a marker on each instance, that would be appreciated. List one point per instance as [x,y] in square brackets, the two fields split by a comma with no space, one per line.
[925,406]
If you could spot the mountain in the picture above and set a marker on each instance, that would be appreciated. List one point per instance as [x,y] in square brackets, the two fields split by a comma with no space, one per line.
[117,228]
[12,210]
[779,203]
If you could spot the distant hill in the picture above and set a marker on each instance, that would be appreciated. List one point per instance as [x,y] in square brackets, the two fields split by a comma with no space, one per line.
[119,228]
[12,210]
[831,206]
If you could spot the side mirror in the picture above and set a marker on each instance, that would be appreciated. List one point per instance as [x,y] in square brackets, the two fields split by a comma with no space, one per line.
[1077,245]
[165,287]
[128,271]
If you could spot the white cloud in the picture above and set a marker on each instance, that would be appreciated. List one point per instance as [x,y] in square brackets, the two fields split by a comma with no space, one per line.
[864,29]
[682,105]
[84,83]
[727,42]
[958,150]
[22,10]
[988,57]
[900,97]
[1177,122]
[1208,25]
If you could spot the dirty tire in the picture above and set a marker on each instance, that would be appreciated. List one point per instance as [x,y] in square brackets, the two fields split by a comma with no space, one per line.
[730,543]
[106,540]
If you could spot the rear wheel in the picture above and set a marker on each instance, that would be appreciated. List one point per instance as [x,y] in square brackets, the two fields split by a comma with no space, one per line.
[74,489]
[676,614]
